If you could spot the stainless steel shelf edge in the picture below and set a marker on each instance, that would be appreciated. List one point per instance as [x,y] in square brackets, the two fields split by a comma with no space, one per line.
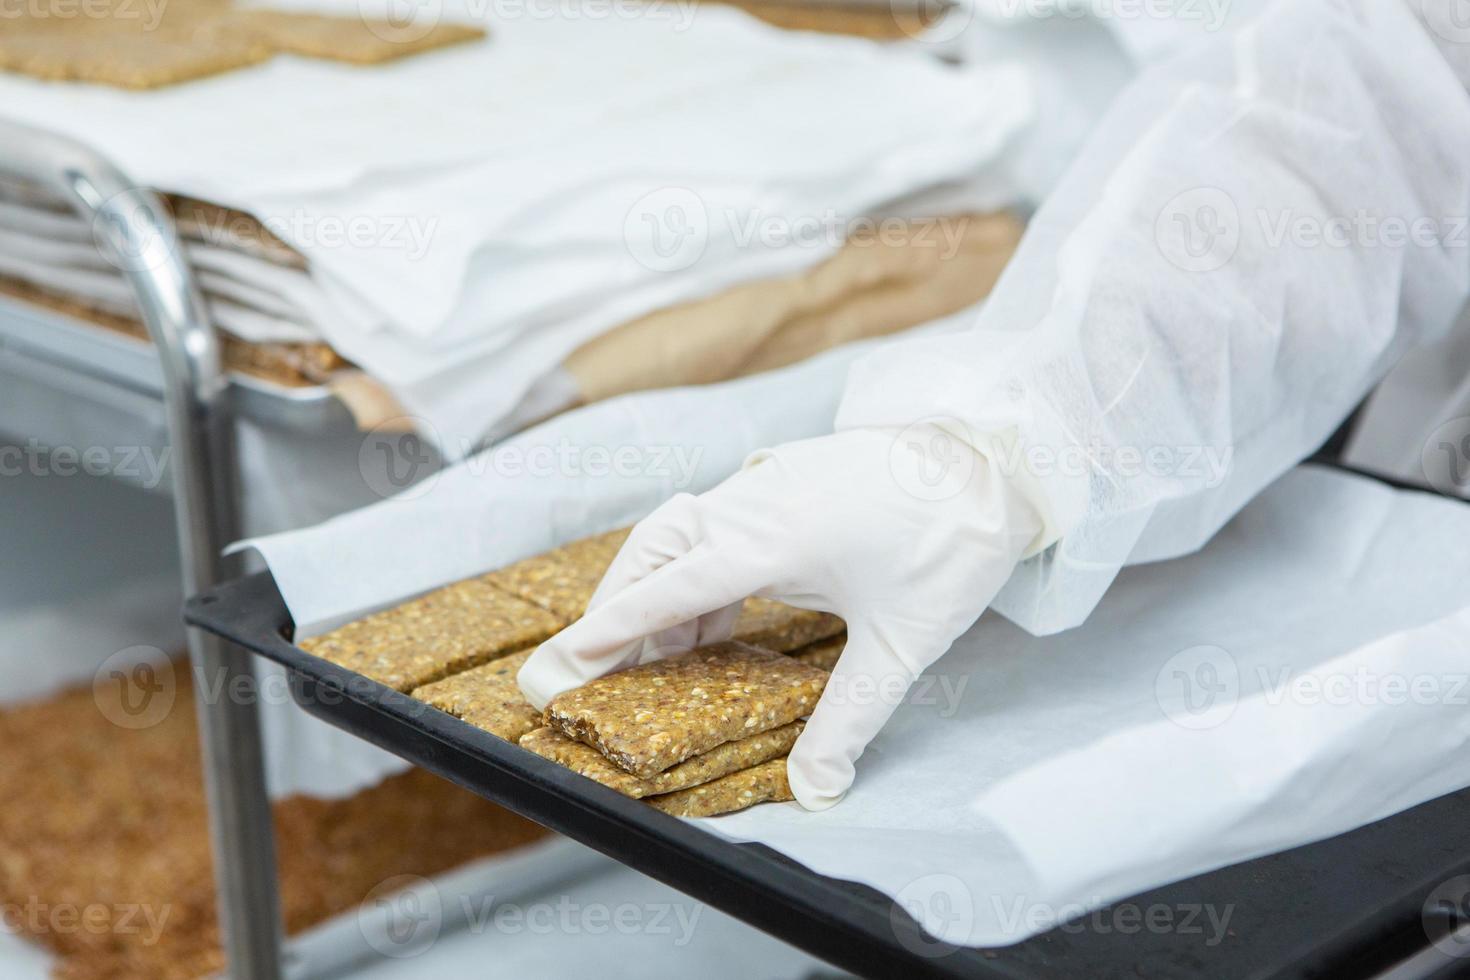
[34,339]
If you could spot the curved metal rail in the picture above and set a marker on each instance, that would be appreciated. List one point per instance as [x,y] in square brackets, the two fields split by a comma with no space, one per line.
[134,232]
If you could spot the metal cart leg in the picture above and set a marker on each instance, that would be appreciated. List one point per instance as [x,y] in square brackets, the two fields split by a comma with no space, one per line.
[135,233]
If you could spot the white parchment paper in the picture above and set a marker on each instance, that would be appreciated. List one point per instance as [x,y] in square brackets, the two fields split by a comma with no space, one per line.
[1304,675]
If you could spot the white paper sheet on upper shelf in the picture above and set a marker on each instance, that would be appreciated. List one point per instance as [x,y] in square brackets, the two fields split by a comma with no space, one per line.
[1304,675]
[493,205]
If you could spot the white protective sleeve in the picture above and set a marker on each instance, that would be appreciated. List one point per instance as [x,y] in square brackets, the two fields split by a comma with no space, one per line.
[1256,231]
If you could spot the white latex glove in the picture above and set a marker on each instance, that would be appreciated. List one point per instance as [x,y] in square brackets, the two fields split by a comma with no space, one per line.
[904,534]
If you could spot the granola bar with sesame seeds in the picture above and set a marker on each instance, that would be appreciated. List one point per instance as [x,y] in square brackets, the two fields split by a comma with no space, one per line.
[562,580]
[444,632]
[487,697]
[719,761]
[822,654]
[773,625]
[656,715]
[765,783]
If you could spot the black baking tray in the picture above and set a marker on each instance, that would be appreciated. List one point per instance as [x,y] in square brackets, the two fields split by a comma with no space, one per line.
[1347,907]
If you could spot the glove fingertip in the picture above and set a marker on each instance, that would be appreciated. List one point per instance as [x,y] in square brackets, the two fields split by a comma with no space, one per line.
[542,677]
[816,783]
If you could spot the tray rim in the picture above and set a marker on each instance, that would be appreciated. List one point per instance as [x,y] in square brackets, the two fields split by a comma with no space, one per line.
[841,922]
[838,938]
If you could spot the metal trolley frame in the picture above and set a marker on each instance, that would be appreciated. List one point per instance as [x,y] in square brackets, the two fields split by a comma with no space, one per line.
[182,374]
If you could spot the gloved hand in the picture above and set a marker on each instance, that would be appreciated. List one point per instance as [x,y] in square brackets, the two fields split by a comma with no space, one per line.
[905,535]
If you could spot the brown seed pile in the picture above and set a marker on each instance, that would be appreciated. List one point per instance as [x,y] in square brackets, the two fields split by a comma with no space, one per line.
[112,822]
